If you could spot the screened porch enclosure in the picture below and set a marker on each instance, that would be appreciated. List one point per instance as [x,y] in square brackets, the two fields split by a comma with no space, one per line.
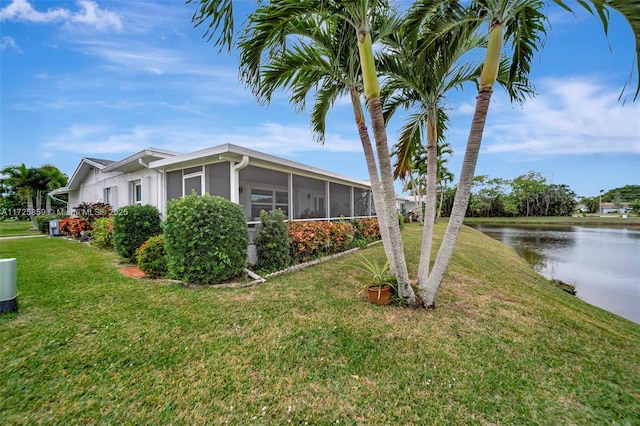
[300,196]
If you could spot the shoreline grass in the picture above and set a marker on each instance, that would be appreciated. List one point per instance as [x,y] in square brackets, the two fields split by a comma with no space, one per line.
[610,220]
[504,346]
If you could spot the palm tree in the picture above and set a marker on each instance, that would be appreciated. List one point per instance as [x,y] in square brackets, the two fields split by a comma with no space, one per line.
[521,23]
[444,175]
[53,179]
[327,66]
[21,180]
[281,34]
[419,74]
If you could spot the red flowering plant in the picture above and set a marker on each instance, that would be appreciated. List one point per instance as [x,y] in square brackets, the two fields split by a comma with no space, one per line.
[341,235]
[74,226]
[370,228]
[309,240]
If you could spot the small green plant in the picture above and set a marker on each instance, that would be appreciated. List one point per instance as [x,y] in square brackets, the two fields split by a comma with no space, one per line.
[272,242]
[380,274]
[152,258]
[102,233]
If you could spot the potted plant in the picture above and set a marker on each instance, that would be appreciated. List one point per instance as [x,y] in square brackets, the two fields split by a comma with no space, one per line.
[380,287]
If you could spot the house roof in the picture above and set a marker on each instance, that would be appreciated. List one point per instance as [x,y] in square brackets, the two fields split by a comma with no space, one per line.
[100,161]
[231,152]
[126,165]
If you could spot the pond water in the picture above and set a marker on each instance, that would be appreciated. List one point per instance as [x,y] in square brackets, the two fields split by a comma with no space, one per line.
[603,263]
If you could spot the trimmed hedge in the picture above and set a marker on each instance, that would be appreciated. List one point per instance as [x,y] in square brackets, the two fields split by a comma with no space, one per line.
[152,258]
[206,239]
[132,226]
[272,242]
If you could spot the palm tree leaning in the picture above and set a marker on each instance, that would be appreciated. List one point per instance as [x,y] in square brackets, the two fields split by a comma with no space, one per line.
[520,23]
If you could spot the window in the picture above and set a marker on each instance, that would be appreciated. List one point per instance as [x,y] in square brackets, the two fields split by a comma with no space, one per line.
[136,192]
[268,199]
[107,196]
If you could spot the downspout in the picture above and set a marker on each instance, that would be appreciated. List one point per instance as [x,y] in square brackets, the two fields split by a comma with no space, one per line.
[235,178]
[59,200]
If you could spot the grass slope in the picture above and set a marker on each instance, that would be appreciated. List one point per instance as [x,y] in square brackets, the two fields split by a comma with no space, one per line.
[503,347]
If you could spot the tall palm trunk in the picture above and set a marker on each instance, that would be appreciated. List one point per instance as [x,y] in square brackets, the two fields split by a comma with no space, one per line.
[376,188]
[372,93]
[30,210]
[461,200]
[430,209]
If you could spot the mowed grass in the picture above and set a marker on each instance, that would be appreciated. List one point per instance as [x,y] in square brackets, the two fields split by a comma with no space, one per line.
[12,228]
[504,346]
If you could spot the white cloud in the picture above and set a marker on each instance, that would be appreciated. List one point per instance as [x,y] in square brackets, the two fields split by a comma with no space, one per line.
[93,16]
[569,116]
[21,10]
[9,43]
[90,14]
[272,138]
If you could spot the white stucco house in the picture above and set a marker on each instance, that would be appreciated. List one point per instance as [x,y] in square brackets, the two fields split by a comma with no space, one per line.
[253,179]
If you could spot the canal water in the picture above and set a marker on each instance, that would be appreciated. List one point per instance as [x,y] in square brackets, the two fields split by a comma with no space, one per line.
[603,263]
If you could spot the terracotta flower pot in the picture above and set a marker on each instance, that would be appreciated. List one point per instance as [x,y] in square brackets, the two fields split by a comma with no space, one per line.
[380,295]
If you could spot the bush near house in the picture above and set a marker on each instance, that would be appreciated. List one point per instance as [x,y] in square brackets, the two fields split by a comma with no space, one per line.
[73,226]
[206,239]
[102,232]
[152,258]
[272,242]
[132,226]
[369,228]
[314,239]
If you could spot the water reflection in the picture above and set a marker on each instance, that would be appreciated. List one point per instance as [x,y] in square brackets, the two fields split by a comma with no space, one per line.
[603,263]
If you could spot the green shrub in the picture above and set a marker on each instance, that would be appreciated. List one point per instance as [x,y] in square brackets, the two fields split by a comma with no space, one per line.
[272,242]
[102,233]
[152,258]
[401,220]
[132,226]
[42,221]
[206,239]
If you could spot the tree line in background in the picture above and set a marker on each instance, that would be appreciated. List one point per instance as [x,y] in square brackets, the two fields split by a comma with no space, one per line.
[531,195]
[24,191]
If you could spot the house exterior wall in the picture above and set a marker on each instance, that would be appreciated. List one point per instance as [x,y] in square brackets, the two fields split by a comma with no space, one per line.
[120,190]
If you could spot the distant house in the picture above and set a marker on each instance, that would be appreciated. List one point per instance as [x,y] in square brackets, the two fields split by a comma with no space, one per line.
[255,180]
[612,208]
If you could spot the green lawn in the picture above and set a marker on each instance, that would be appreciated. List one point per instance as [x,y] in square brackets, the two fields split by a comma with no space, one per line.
[504,346]
[11,228]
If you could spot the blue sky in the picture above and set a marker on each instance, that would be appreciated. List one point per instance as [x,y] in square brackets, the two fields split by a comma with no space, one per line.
[106,79]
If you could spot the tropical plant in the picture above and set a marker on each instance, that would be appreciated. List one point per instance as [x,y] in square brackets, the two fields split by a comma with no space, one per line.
[22,181]
[325,64]
[521,24]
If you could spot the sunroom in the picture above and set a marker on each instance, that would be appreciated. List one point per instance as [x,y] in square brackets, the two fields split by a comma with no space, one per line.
[259,181]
